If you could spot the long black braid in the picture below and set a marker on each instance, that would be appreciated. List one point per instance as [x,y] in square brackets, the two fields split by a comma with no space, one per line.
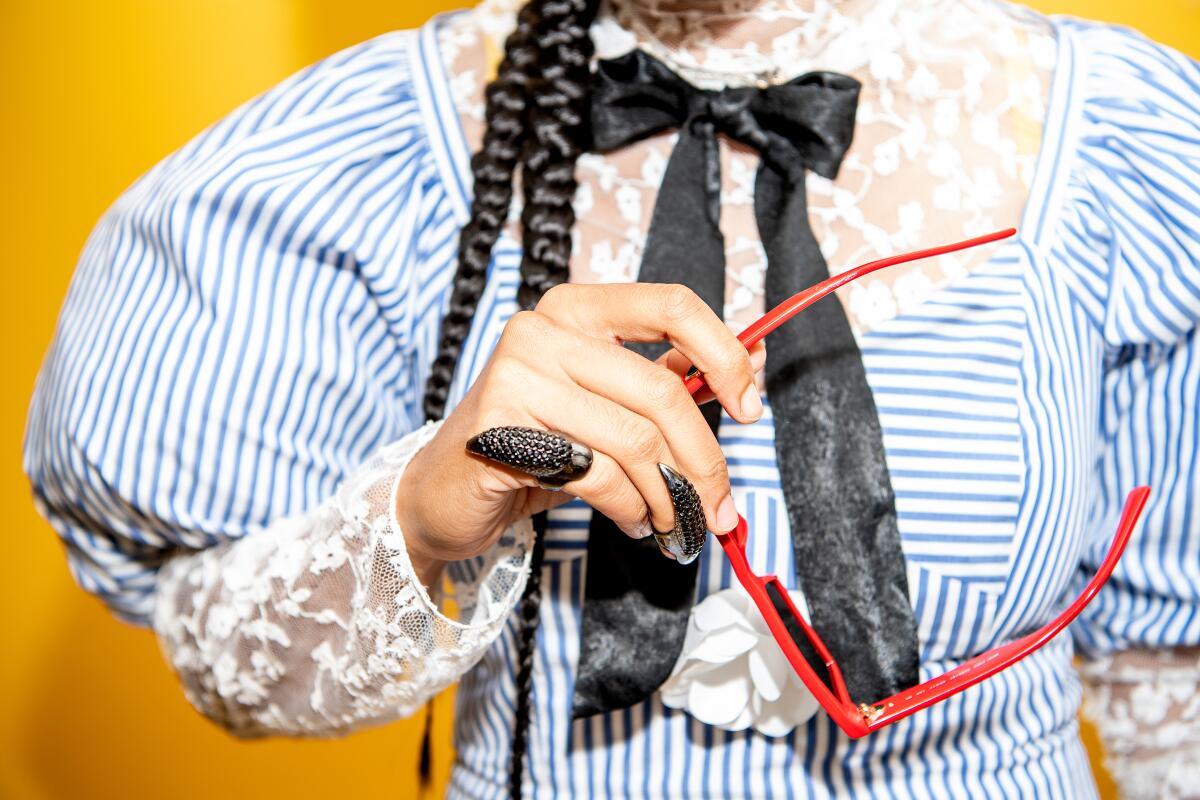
[492,169]
[536,114]
[558,120]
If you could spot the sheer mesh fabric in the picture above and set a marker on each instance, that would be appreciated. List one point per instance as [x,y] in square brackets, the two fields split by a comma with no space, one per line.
[948,131]
[318,625]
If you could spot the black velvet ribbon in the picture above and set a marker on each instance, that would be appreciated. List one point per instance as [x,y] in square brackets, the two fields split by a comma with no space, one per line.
[828,442]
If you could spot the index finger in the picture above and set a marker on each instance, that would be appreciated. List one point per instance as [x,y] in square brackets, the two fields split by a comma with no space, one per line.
[653,312]
[678,363]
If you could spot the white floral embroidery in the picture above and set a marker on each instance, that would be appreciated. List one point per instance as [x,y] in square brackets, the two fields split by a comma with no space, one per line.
[629,203]
[945,83]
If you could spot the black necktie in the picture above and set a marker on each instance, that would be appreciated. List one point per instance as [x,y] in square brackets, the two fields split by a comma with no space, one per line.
[827,436]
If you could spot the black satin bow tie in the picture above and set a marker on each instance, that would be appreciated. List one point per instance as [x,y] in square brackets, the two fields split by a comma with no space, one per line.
[804,124]
[835,481]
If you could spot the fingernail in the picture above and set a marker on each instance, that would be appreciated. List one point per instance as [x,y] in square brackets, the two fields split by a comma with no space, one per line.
[727,515]
[752,407]
[641,530]
[758,358]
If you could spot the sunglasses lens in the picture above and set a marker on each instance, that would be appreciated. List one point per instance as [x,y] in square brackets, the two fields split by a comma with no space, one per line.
[796,630]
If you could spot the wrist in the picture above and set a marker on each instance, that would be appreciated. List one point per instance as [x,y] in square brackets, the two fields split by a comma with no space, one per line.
[427,569]
[426,564]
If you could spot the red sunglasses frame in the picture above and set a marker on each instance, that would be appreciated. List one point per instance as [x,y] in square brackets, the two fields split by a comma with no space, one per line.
[857,720]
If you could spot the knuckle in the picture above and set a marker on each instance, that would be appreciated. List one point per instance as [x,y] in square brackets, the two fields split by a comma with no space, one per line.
[642,441]
[506,371]
[609,484]
[628,511]
[678,302]
[715,474]
[735,359]
[663,387]
[494,416]
[554,297]
[504,394]
[525,326]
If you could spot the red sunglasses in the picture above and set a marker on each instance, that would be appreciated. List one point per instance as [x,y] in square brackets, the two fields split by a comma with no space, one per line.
[791,630]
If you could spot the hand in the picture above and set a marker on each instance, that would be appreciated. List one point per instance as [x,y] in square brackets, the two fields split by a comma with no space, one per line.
[561,367]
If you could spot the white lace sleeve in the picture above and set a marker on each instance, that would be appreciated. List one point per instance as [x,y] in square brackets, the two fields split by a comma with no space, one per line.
[318,625]
[1145,704]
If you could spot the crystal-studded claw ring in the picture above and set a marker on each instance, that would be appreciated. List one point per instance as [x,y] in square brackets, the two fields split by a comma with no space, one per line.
[554,458]
[687,538]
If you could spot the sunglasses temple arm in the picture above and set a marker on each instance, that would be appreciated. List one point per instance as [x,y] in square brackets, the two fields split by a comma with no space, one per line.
[988,664]
[789,308]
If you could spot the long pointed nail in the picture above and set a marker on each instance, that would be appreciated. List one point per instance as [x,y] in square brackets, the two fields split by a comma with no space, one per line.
[687,538]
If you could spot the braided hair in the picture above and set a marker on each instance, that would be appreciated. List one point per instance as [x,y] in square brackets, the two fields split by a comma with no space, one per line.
[536,113]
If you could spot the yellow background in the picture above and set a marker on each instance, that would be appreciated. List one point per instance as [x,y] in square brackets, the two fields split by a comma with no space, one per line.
[92,94]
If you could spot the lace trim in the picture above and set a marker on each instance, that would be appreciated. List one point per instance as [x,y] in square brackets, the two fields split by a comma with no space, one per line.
[317,625]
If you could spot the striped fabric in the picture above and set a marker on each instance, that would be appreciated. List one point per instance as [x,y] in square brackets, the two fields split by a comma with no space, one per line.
[258,313]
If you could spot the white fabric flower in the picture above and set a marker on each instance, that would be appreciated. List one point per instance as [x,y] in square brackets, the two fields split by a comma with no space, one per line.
[732,673]
[654,167]
[911,288]
[947,196]
[911,217]
[947,114]
[584,199]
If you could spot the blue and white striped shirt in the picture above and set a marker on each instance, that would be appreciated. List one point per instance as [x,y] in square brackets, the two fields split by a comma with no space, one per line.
[258,314]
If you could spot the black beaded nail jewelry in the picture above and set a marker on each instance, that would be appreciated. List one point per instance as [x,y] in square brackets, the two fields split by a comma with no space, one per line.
[687,538]
[553,458]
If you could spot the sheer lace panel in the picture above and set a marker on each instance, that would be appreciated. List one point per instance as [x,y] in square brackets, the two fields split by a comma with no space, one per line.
[317,625]
[1145,705]
[949,128]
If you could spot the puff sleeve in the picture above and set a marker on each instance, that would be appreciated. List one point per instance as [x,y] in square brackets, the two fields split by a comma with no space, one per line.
[233,392]
[1130,236]
[1138,167]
